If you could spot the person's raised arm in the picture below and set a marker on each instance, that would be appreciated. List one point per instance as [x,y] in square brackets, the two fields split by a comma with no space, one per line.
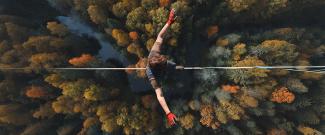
[160,37]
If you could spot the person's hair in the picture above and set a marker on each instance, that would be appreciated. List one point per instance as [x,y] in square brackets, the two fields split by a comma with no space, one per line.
[157,61]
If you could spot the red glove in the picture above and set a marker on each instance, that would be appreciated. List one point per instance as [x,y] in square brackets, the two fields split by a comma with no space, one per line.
[171,17]
[171,119]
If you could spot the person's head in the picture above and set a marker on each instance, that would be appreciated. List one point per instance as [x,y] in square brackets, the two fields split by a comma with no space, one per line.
[157,61]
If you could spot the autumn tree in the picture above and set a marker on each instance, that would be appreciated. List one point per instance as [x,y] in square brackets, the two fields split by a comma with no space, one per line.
[121,37]
[57,29]
[277,52]
[164,3]
[207,117]
[136,19]
[83,60]
[282,95]
[95,93]
[134,35]
[46,60]
[230,88]
[96,14]
[187,121]
[240,5]
[36,92]
[248,76]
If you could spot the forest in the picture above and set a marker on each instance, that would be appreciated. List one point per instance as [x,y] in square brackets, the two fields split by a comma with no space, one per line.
[36,99]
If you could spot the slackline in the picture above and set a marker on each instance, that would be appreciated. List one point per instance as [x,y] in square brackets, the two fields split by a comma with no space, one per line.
[313,69]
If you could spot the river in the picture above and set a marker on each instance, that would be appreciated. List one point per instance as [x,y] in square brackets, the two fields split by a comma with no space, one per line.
[77,26]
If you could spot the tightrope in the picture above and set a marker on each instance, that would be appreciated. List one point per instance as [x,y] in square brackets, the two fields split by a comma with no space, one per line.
[314,69]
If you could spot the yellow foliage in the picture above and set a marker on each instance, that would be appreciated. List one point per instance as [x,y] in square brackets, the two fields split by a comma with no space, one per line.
[187,121]
[109,125]
[239,50]
[135,49]
[221,116]
[282,95]
[222,42]
[172,42]
[58,29]
[150,43]
[240,5]
[249,101]
[279,72]
[149,29]
[89,122]
[311,76]
[194,105]
[207,117]
[45,60]
[96,14]
[278,51]
[253,75]
[307,75]
[121,37]
[308,130]
[233,110]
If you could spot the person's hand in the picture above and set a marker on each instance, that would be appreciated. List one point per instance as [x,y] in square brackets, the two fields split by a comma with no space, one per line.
[171,17]
[171,118]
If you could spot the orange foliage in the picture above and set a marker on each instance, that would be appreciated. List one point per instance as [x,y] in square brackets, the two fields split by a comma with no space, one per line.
[36,92]
[129,71]
[230,88]
[282,95]
[275,131]
[134,35]
[212,30]
[164,3]
[82,60]
[141,64]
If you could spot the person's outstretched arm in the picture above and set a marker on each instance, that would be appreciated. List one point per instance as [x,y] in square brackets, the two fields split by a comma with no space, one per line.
[160,37]
[170,116]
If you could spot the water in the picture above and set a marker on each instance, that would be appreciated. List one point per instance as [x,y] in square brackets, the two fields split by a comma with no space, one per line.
[76,26]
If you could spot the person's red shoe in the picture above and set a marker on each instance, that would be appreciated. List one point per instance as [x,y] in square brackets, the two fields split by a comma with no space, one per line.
[171,119]
[171,17]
